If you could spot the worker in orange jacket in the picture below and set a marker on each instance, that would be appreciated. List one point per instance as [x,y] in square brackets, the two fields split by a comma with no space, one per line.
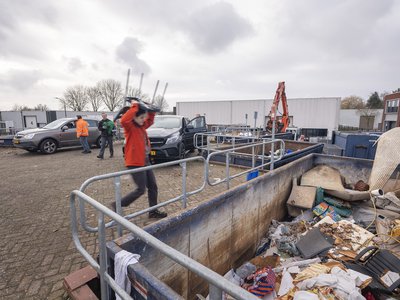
[137,150]
[82,132]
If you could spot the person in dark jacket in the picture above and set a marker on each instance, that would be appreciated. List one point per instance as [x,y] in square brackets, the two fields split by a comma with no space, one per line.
[106,127]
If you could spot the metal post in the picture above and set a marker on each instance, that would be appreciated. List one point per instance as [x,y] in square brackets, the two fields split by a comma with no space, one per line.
[255,122]
[215,293]
[263,153]
[253,160]
[165,89]
[140,83]
[117,188]
[184,198]
[227,170]
[273,145]
[233,143]
[102,256]
[155,91]
[127,85]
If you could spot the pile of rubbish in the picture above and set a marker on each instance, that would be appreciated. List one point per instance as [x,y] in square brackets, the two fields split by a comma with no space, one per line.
[341,241]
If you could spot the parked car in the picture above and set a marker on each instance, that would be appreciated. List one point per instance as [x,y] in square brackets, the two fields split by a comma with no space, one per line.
[57,134]
[171,136]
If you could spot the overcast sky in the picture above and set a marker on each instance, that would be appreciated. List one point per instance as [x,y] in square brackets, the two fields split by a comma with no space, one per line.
[205,49]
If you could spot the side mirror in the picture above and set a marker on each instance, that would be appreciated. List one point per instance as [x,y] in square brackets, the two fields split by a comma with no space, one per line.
[64,128]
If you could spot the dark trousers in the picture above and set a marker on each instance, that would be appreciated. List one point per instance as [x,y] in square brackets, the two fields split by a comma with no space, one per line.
[104,141]
[142,179]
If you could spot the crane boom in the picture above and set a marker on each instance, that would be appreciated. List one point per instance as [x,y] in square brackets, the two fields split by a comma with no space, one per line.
[282,121]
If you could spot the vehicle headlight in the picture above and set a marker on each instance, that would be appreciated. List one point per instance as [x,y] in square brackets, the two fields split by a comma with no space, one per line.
[29,136]
[173,138]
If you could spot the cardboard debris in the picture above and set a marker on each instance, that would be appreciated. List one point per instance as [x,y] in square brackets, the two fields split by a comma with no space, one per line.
[345,233]
[301,197]
[323,176]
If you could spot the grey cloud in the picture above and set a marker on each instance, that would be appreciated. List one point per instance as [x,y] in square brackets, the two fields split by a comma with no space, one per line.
[74,64]
[13,16]
[20,80]
[215,27]
[127,52]
[340,28]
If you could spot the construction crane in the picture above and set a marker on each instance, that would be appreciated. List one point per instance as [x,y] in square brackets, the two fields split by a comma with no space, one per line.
[282,121]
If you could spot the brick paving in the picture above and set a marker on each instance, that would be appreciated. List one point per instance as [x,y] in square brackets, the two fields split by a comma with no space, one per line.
[36,248]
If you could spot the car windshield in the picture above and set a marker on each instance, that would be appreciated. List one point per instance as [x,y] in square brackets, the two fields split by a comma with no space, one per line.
[55,124]
[166,122]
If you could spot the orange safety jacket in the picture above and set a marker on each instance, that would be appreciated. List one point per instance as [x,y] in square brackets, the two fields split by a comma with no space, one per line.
[136,137]
[82,128]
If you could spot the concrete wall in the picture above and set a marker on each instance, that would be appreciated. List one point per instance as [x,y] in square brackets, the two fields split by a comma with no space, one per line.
[351,117]
[224,232]
[306,112]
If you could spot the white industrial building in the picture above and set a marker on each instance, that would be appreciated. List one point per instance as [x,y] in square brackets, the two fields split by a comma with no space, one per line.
[361,118]
[303,112]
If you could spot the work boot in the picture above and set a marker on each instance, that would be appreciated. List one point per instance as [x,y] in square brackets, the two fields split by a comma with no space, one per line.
[156,214]
[84,151]
[111,155]
[99,156]
[89,151]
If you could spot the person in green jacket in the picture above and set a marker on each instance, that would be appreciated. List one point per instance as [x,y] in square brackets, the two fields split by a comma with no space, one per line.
[106,127]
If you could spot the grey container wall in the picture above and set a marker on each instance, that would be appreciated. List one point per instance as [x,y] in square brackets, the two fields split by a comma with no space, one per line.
[358,145]
[222,232]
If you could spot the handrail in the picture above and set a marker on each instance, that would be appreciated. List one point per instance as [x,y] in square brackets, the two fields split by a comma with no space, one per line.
[228,152]
[217,283]
[199,137]
[117,186]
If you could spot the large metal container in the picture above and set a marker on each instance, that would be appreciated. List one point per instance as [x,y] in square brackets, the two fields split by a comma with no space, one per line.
[222,232]
[358,145]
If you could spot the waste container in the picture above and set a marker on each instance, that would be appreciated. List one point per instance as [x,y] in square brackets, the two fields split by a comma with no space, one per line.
[358,145]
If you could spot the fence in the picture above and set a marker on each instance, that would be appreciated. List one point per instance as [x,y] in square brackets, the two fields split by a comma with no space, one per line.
[217,284]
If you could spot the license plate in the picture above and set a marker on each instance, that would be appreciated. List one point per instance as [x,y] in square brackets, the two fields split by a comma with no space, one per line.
[153,153]
[16,141]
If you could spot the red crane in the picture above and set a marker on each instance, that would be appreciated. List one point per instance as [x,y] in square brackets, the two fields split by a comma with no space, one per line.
[282,122]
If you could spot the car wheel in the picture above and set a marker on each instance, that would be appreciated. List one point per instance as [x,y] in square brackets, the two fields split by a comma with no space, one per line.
[48,146]
[182,151]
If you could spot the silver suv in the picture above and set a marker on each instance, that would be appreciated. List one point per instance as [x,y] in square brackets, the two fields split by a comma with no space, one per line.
[58,134]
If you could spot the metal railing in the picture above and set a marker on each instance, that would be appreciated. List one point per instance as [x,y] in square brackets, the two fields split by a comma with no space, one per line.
[117,189]
[202,141]
[217,283]
[230,152]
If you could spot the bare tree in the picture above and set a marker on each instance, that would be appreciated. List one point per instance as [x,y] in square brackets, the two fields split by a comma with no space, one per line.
[17,107]
[75,98]
[161,103]
[94,96]
[41,107]
[352,102]
[111,93]
[134,92]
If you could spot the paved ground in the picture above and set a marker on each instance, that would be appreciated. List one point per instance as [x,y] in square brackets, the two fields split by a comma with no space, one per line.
[36,250]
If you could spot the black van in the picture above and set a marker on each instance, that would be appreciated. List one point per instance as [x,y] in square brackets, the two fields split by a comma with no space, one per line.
[171,136]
